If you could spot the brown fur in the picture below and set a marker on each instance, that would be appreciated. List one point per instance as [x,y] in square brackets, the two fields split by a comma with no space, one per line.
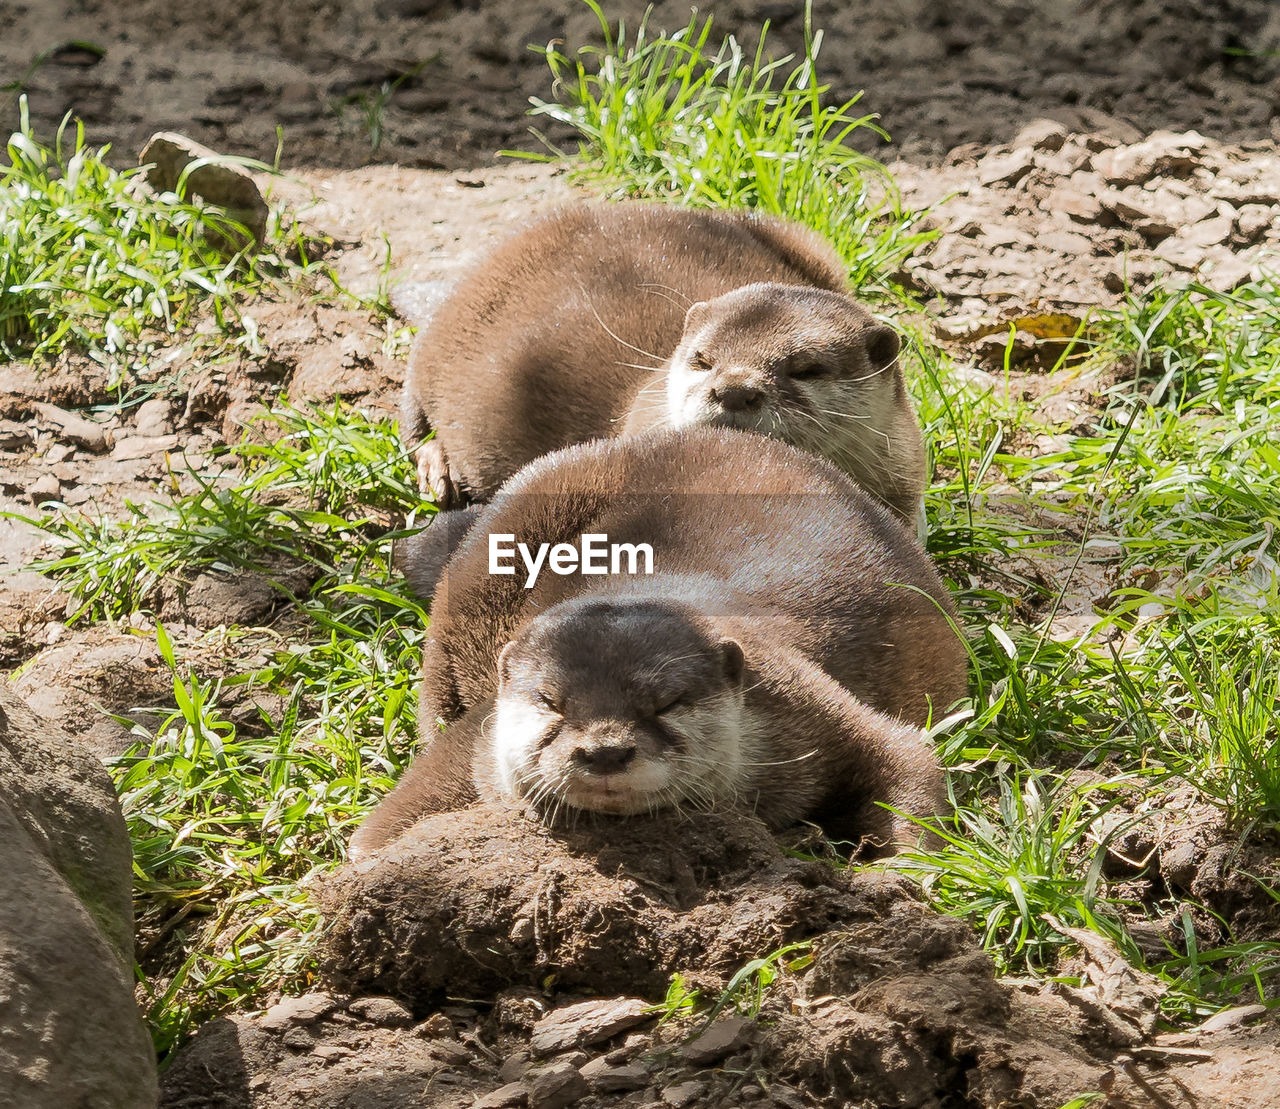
[570,330]
[840,616]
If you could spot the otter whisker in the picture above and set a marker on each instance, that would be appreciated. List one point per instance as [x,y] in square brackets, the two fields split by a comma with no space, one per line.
[651,285]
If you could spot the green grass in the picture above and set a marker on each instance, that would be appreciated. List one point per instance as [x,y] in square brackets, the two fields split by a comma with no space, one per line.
[94,262]
[231,823]
[704,122]
[1070,741]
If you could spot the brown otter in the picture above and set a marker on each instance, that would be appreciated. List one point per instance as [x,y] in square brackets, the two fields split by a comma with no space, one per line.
[781,656]
[608,319]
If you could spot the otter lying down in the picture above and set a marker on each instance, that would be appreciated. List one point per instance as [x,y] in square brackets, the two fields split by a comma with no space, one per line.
[780,656]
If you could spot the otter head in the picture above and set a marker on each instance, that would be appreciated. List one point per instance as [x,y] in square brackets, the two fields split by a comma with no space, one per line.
[807,366]
[618,706]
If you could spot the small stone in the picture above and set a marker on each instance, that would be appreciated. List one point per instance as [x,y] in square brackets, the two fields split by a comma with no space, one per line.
[306,1009]
[722,1039]
[587,1023]
[787,1099]
[73,427]
[504,1097]
[604,1078]
[138,446]
[450,1052]
[1208,232]
[1042,134]
[1253,221]
[1005,169]
[1178,865]
[513,1067]
[44,489]
[153,417]
[556,1086]
[381,1010]
[219,183]
[436,1027]
[522,931]
[298,1038]
[1231,1018]
[683,1094]
[331,1053]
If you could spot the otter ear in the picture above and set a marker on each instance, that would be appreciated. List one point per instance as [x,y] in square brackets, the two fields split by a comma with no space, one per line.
[695,316]
[504,662]
[882,346]
[734,661]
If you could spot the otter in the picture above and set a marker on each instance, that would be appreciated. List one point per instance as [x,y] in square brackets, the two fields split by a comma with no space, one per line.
[605,320]
[782,656]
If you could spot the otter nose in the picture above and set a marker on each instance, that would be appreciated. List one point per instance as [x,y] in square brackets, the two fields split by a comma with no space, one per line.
[606,758]
[737,398]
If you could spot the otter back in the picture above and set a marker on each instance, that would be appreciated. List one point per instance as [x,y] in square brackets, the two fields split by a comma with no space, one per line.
[563,333]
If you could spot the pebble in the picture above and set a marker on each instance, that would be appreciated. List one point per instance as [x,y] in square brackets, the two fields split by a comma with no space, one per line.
[587,1023]
[556,1086]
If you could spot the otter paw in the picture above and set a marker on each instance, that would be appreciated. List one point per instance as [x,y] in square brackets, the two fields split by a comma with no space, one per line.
[433,475]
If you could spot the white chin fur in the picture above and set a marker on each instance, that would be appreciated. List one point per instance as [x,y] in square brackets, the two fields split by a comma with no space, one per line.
[516,728]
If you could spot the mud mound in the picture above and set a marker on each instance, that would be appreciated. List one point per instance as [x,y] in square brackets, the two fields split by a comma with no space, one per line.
[471,902]
[897,1007]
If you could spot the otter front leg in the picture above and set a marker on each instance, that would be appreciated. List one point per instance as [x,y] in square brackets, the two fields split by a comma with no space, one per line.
[435,480]
[438,780]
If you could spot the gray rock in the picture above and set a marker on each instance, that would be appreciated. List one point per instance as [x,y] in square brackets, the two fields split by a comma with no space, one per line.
[1005,169]
[606,1079]
[587,1023]
[556,1086]
[153,418]
[306,1009]
[229,187]
[383,1011]
[722,1039]
[70,1032]
[510,1096]
[683,1094]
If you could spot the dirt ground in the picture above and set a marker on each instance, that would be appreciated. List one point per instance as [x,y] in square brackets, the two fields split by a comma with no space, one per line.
[1068,149]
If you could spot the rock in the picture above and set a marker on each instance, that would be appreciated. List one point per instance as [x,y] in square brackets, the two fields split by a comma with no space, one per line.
[73,427]
[214,599]
[590,1022]
[1005,169]
[142,446]
[604,1078]
[1078,197]
[511,1095]
[1046,135]
[683,1094]
[721,1040]
[1163,153]
[437,1027]
[1231,1018]
[513,1067]
[218,183]
[44,489]
[70,1031]
[556,1086]
[1253,221]
[153,418]
[384,1011]
[80,679]
[1215,231]
[304,1009]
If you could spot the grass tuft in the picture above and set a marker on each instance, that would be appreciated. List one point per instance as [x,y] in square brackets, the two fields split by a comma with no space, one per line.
[685,118]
